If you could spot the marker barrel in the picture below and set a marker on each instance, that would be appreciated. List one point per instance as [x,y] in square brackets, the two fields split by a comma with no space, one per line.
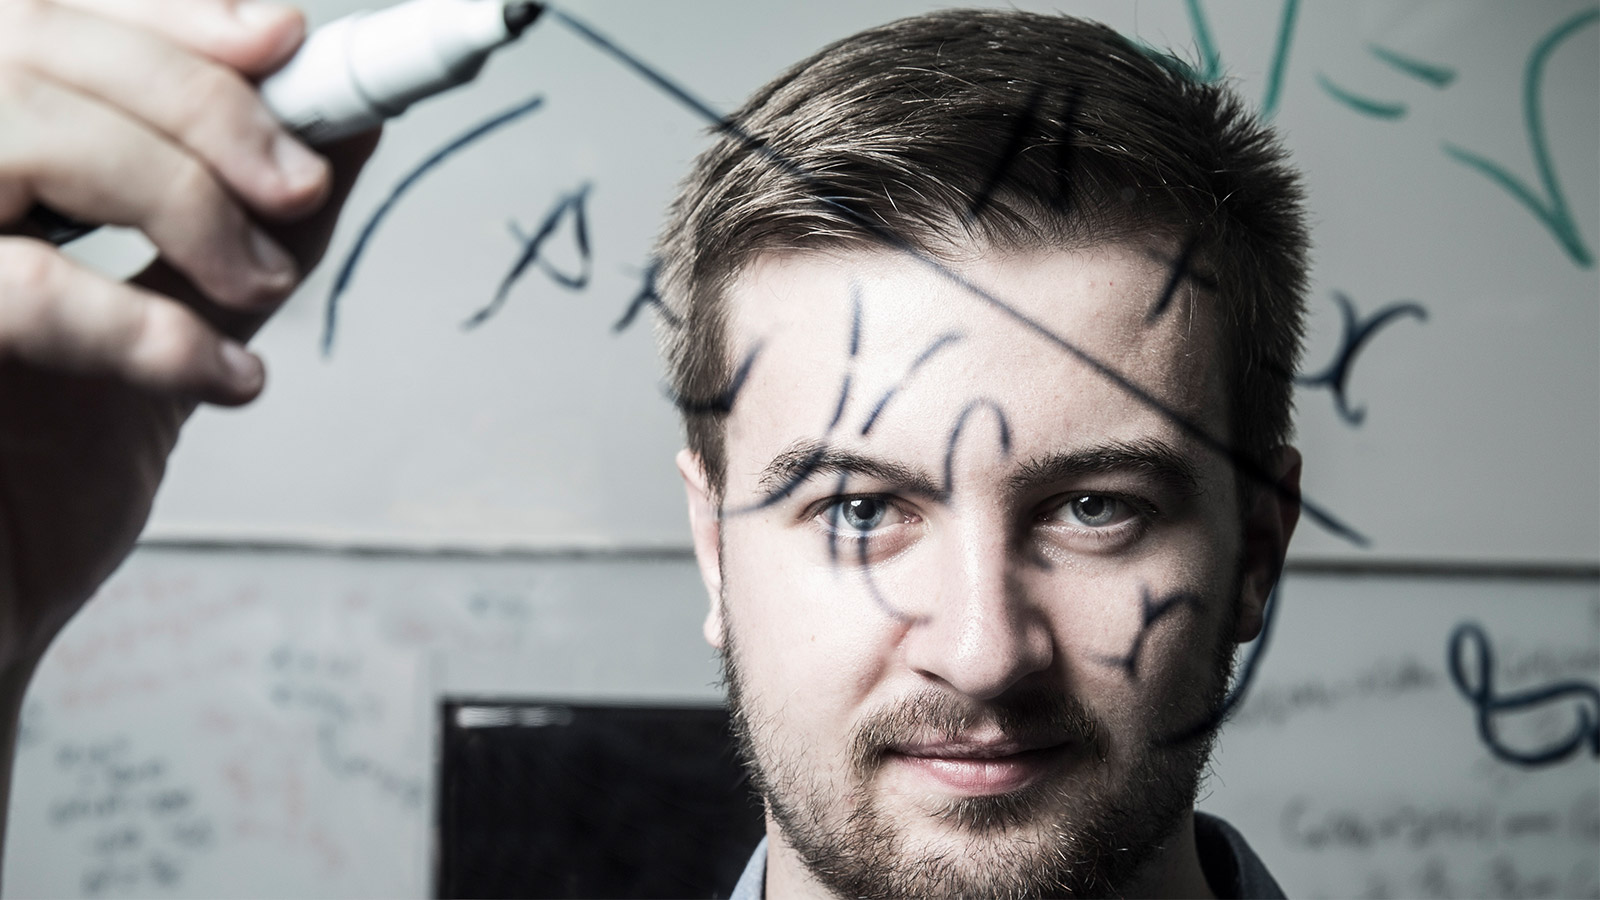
[357,71]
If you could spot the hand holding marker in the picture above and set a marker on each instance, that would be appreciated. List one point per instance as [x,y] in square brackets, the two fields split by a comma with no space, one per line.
[353,73]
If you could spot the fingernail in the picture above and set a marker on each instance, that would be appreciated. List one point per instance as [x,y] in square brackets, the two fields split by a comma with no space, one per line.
[299,167]
[283,26]
[268,255]
[244,371]
[255,14]
[274,263]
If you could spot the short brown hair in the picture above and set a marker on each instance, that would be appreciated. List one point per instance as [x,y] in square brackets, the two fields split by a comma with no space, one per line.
[1014,129]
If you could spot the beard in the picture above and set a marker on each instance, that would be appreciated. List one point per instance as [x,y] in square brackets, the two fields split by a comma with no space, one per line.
[1088,830]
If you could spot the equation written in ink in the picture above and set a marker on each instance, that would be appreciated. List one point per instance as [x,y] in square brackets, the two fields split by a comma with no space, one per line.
[136,821]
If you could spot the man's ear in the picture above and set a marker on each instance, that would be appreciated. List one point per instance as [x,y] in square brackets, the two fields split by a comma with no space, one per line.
[1273,511]
[705,524]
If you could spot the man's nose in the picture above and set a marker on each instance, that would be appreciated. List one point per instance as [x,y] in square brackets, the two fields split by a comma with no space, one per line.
[981,635]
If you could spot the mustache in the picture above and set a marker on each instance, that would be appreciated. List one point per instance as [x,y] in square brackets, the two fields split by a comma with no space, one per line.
[1030,716]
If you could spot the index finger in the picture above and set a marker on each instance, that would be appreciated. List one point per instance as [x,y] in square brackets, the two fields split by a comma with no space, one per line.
[200,104]
[251,36]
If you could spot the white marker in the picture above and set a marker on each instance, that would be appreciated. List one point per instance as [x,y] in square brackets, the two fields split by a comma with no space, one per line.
[353,73]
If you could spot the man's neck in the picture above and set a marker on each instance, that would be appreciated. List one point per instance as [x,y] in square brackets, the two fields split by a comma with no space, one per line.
[1173,871]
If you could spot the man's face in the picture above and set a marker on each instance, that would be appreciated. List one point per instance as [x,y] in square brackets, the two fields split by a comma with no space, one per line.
[968,585]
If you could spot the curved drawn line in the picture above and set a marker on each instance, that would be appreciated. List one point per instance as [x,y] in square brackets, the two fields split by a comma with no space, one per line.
[530,254]
[833,534]
[648,296]
[939,343]
[855,348]
[1242,462]
[341,281]
[1436,75]
[1378,109]
[1151,611]
[1026,121]
[948,488]
[1210,57]
[877,595]
[802,474]
[1486,704]
[1353,337]
[1175,277]
[1218,716]
[721,404]
[1280,58]
[1550,210]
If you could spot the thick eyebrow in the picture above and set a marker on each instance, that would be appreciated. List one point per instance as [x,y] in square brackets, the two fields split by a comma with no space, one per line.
[1147,458]
[806,459]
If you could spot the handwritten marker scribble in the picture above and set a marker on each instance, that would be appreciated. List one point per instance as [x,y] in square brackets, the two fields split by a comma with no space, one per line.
[833,533]
[799,474]
[1367,106]
[1549,208]
[1213,720]
[854,350]
[1180,271]
[1022,131]
[1241,461]
[928,352]
[1211,70]
[1435,75]
[648,296]
[572,205]
[341,281]
[1476,684]
[722,403]
[1354,335]
[1003,429]
[1151,611]
[888,608]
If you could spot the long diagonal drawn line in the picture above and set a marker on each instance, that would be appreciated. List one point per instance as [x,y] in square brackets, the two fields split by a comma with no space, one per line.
[347,269]
[1241,462]
[1550,210]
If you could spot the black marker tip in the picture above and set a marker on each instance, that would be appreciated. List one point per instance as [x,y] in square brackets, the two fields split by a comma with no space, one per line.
[520,15]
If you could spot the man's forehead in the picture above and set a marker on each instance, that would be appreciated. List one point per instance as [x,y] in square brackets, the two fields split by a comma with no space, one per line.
[790,288]
[883,347]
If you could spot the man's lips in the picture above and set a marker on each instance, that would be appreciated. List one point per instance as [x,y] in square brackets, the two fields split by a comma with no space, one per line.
[978,767]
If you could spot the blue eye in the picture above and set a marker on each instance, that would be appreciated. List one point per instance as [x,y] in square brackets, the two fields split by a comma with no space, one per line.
[860,513]
[1096,510]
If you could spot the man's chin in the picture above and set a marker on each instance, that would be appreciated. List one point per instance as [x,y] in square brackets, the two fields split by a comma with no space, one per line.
[994,845]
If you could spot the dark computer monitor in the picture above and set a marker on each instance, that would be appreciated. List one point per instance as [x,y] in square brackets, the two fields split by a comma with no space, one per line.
[549,799]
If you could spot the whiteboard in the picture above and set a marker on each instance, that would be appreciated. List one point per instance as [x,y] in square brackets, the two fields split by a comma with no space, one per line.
[432,511]
[544,427]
